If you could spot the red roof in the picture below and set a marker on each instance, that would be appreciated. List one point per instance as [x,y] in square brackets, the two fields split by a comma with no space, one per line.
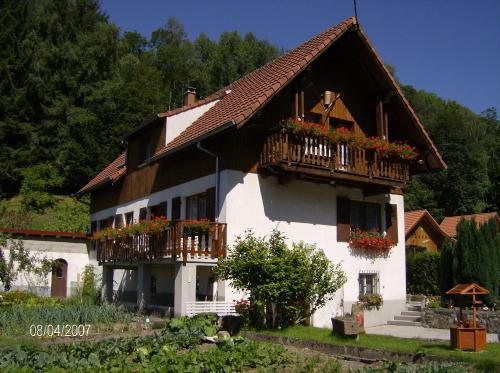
[112,172]
[413,218]
[449,224]
[240,100]
[30,232]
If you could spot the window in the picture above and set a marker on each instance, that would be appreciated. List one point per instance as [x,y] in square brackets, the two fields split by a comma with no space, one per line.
[365,216]
[118,221]
[106,223]
[145,150]
[196,207]
[340,123]
[129,218]
[368,283]
[159,210]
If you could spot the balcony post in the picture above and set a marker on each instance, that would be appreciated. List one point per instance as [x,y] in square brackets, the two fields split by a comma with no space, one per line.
[143,285]
[185,287]
[107,283]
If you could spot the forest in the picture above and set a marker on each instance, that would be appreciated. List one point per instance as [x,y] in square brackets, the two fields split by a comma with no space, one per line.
[72,82]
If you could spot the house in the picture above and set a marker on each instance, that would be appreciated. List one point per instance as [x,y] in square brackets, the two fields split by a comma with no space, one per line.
[226,159]
[449,223]
[422,232]
[72,251]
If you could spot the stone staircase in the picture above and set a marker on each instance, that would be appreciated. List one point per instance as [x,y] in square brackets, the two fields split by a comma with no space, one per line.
[411,317]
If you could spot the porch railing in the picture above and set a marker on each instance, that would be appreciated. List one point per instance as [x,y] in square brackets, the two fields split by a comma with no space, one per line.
[178,240]
[220,308]
[283,148]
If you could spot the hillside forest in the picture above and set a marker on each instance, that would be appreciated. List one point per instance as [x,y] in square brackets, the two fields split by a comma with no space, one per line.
[72,82]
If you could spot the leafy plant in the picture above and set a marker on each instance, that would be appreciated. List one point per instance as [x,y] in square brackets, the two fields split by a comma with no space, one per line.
[371,301]
[291,282]
[422,273]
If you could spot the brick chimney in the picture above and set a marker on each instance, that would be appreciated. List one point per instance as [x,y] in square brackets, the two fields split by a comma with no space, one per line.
[190,96]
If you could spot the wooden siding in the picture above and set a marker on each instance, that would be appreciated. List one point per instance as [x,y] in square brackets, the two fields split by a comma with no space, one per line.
[422,236]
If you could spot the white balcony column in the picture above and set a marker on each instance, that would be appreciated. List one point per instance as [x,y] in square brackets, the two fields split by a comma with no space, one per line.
[185,287]
[107,283]
[143,285]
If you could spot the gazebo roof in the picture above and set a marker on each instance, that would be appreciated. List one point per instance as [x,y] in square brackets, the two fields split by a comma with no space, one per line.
[467,289]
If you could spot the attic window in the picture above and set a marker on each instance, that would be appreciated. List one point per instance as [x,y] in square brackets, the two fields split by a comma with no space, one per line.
[145,150]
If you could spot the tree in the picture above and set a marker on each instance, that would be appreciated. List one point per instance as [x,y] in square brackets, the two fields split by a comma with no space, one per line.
[289,283]
[39,182]
[447,266]
[35,267]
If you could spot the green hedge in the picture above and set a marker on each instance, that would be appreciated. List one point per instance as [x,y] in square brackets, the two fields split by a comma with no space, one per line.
[422,273]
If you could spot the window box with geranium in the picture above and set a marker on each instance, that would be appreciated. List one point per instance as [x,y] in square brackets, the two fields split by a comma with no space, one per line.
[371,243]
[370,301]
[197,226]
[344,135]
[146,227]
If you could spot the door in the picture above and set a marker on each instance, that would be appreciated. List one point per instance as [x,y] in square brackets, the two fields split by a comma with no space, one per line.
[59,279]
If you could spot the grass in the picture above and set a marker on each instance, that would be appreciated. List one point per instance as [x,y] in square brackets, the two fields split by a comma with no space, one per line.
[488,360]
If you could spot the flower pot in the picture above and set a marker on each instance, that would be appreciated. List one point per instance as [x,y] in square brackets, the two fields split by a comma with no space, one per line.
[345,328]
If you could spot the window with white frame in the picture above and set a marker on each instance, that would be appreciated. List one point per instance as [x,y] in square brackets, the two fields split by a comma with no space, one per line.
[368,282]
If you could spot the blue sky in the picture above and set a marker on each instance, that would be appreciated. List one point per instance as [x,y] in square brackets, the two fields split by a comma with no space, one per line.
[451,48]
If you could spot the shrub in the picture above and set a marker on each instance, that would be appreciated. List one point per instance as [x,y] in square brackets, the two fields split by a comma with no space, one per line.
[422,273]
[90,292]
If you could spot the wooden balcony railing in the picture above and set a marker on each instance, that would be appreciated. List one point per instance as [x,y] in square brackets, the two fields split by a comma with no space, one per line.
[176,241]
[319,156]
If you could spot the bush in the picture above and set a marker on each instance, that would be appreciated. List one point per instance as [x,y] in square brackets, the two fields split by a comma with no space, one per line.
[286,284]
[27,299]
[422,273]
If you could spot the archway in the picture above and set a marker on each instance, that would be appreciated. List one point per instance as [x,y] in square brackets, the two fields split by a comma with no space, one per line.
[59,279]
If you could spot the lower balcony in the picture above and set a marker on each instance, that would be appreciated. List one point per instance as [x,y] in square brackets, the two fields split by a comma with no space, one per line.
[316,157]
[179,240]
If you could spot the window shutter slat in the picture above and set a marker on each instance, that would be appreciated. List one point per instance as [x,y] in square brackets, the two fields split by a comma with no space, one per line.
[343,219]
[176,208]
[391,219]
[211,204]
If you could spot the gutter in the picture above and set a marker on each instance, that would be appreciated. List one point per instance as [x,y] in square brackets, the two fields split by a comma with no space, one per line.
[217,177]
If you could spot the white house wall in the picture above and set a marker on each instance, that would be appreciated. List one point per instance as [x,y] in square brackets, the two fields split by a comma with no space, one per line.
[303,210]
[76,253]
[177,123]
[307,211]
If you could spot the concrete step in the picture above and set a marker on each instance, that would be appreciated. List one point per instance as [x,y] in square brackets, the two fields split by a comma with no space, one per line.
[407,318]
[403,323]
[411,313]
[414,308]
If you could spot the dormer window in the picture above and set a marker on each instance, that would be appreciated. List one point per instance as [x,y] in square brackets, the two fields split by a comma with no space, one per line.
[145,150]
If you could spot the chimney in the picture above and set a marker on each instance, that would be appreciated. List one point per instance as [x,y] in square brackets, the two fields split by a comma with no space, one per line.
[190,96]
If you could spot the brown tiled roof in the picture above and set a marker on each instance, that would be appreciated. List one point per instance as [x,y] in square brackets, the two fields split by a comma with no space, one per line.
[412,218]
[112,172]
[449,224]
[251,92]
[240,100]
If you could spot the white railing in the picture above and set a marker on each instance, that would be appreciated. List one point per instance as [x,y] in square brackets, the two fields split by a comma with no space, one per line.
[220,308]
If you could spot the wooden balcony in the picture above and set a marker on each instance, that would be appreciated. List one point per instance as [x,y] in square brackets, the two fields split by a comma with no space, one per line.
[177,241]
[317,158]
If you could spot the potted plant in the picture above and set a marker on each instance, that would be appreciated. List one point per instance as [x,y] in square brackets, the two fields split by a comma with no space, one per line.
[371,301]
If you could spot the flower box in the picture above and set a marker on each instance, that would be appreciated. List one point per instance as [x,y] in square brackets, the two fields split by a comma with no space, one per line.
[345,327]
[372,242]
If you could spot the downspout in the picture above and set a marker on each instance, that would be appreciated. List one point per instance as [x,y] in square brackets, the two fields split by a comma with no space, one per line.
[217,177]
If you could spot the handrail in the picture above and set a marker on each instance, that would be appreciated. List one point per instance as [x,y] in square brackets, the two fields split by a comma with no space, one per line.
[178,240]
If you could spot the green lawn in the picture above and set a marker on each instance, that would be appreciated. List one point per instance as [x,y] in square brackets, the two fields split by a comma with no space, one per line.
[488,360]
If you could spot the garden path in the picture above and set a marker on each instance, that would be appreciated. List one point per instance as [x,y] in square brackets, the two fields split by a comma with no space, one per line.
[419,332]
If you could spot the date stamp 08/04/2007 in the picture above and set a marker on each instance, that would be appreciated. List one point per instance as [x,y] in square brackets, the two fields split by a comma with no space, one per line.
[59,330]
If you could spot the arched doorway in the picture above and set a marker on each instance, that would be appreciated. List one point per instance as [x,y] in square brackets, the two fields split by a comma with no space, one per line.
[59,279]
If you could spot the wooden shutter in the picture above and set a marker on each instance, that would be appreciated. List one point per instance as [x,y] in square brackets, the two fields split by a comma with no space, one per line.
[391,222]
[343,219]
[211,204]
[143,213]
[176,208]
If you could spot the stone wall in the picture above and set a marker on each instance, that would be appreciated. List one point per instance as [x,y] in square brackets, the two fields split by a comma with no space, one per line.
[444,318]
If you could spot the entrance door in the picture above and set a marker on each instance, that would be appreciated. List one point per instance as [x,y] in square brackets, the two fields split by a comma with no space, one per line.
[59,279]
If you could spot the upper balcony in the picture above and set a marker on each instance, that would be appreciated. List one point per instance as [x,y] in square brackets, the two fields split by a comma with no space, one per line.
[317,157]
[185,240]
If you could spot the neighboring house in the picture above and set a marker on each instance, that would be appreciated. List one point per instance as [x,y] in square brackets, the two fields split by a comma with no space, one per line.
[422,232]
[449,223]
[71,251]
[225,159]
